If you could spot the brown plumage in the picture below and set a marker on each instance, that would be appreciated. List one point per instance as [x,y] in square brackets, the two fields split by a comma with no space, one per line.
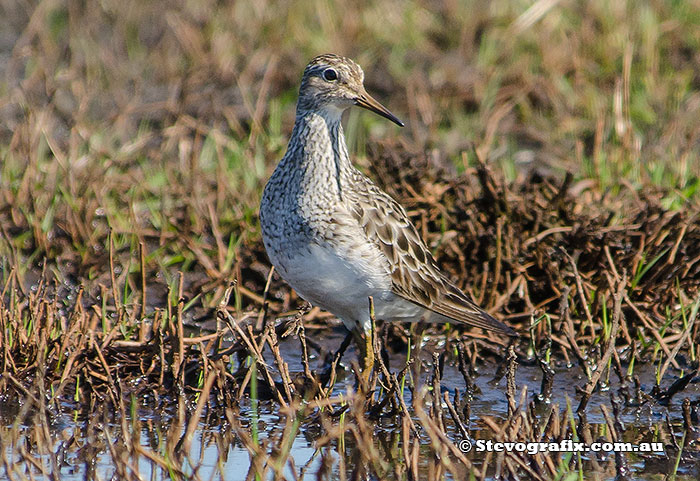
[334,235]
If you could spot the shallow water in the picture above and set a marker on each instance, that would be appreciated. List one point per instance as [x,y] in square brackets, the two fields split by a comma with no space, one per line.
[218,454]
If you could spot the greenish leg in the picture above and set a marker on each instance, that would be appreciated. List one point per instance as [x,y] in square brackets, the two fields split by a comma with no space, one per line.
[364,343]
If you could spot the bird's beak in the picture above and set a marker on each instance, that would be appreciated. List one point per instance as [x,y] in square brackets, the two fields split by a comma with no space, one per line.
[366,101]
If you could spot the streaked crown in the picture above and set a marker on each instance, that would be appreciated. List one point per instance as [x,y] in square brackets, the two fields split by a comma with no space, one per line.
[330,79]
[331,84]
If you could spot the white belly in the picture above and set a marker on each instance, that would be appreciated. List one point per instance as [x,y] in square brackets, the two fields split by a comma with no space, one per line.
[342,282]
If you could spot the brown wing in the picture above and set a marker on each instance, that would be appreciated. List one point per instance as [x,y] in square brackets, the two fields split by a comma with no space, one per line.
[415,276]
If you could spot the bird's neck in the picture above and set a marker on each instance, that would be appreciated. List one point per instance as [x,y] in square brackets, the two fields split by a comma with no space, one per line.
[317,148]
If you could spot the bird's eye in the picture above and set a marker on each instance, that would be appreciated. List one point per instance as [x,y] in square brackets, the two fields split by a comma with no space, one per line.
[330,74]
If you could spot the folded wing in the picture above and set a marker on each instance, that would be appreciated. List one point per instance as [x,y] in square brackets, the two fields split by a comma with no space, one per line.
[415,276]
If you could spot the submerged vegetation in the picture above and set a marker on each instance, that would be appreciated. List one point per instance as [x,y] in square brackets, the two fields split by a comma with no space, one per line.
[551,160]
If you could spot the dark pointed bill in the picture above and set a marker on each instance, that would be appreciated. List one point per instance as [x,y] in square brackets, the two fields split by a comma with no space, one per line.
[367,102]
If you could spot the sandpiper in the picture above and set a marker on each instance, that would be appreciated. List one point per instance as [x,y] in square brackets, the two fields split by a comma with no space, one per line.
[336,237]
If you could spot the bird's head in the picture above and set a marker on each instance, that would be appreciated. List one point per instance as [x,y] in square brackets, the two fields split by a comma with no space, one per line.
[332,83]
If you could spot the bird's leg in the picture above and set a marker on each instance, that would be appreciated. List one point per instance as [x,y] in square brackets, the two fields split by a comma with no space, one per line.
[369,355]
[363,340]
[329,378]
[370,334]
[341,350]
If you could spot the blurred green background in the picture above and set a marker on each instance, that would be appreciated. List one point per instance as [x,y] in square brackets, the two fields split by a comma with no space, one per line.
[164,119]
